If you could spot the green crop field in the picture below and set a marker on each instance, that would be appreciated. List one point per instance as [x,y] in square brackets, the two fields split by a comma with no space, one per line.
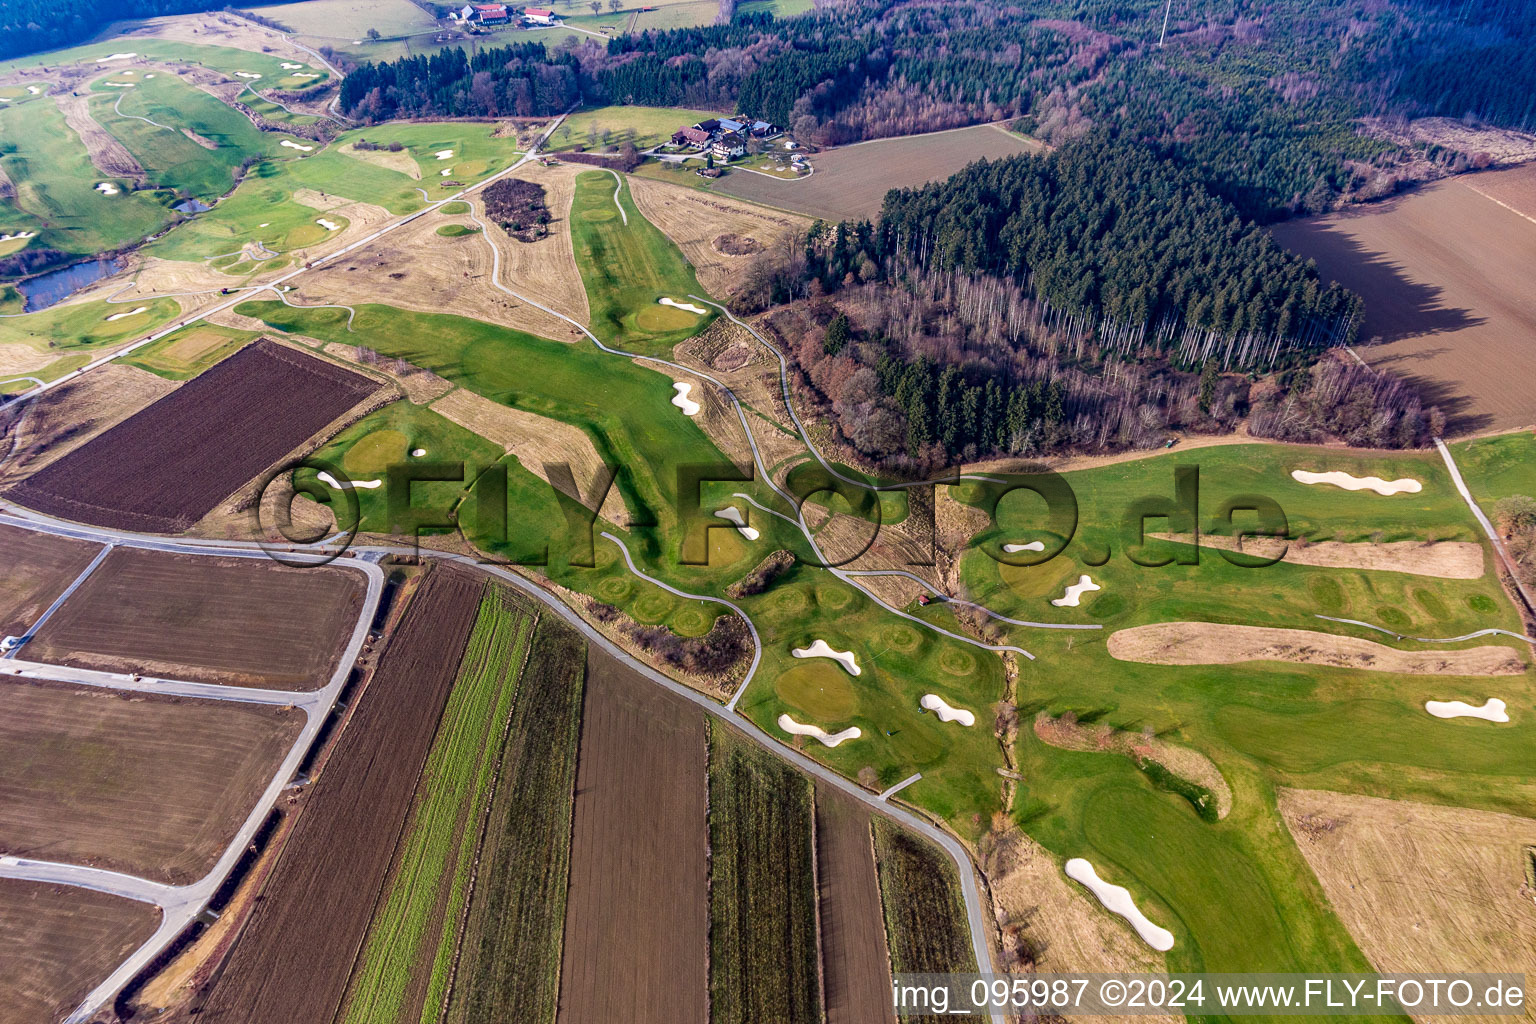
[510,952]
[628,267]
[762,893]
[416,928]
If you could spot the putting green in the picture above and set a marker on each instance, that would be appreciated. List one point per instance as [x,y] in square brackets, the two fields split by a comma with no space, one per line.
[374,453]
[820,689]
[664,318]
[957,661]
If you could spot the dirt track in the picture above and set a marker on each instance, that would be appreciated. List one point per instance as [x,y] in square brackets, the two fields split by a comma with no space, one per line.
[149,786]
[1211,643]
[855,963]
[236,621]
[57,943]
[637,921]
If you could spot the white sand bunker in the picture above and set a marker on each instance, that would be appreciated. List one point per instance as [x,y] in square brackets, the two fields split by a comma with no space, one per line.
[794,728]
[732,515]
[304,76]
[1034,545]
[294,145]
[115,56]
[150,75]
[821,649]
[131,312]
[947,713]
[1407,485]
[1074,594]
[445,171]
[290,66]
[247,74]
[681,399]
[1492,710]
[119,85]
[329,225]
[443,154]
[19,234]
[1117,899]
[35,91]
[687,306]
[331,481]
[417,453]
[106,188]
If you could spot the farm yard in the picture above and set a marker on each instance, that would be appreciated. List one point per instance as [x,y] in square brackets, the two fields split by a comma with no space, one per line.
[234,621]
[86,776]
[850,182]
[282,966]
[56,944]
[162,470]
[35,568]
[637,917]
[1443,271]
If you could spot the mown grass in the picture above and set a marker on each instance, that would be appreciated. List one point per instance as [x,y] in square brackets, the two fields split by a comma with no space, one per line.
[1498,467]
[476,150]
[76,331]
[509,968]
[925,922]
[457,230]
[221,58]
[627,268]
[762,895]
[418,925]
[601,128]
[188,352]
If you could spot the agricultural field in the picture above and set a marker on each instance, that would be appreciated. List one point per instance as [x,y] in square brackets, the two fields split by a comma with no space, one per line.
[924,916]
[855,962]
[850,182]
[637,917]
[1446,309]
[762,892]
[407,962]
[162,470]
[510,947]
[283,965]
[234,621]
[87,777]
[35,568]
[57,943]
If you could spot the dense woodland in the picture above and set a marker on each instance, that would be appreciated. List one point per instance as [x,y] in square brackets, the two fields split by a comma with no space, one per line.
[28,26]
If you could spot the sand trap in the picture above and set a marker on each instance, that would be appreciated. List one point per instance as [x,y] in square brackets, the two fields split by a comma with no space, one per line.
[1117,899]
[328,224]
[106,188]
[1406,485]
[19,234]
[443,154]
[794,728]
[247,74]
[131,312]
[304,76]
[263,225]
[115,56]
[681,399]
[1212,643]
[150,75]
[35,91]
[821,649]
[445,172]
[939,706]
[331,481]
[289,66]
[294,145]
[687,306]
[1491,711]
[417,453]
[119,85]
[733,516]
[1074,594]
[1034,545]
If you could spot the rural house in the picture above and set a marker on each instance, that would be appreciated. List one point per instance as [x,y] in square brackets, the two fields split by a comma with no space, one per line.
[729,146]
[490,14]
[693,138]
[765,130]
[539,16]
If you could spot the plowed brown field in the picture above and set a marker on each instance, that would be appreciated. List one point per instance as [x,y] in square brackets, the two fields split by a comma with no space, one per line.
[147,785]
[34,570]
[57,943]
[237,621]
[295,955]
[637,920]
[855,964]
[166,467]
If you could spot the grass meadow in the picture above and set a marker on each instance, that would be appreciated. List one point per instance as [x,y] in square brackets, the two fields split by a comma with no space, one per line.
[607,127]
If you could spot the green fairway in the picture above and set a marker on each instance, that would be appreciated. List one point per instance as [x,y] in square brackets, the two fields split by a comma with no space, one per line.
[468,151]
[1498,467]
[72,333]
[628,267]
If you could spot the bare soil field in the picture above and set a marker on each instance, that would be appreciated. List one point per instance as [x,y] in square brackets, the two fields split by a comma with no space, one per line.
[150,786]
[57,943]
[1422,887]
[1212,643]
[855,963]
[694,220]
[293,960]
[56,423]
[850,182]
[34,570]
[1449,559]
[169,465]
[1445,274]
[637,920]
[236,621]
